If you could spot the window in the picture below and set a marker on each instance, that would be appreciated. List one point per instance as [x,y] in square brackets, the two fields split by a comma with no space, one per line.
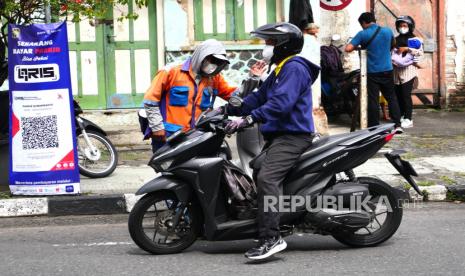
[231,19]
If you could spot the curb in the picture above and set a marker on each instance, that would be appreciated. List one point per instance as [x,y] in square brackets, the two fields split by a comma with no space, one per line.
[433,193]
[123,203]
[68,205]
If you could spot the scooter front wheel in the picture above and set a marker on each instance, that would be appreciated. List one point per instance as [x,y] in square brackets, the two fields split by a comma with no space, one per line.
[160,224]
[97,159]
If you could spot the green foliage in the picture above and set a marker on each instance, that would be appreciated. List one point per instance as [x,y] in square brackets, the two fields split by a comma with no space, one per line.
[453,197]
[448,180]
[425,195]
[426,183]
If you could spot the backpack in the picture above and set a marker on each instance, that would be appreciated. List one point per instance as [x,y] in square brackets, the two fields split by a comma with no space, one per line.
[241,189]
[331,62]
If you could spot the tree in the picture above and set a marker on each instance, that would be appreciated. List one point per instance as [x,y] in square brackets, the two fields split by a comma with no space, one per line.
[33,11]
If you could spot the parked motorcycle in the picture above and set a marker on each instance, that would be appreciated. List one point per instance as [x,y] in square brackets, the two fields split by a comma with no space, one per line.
[340,93]
[97,155]
[339,89]
[189,199]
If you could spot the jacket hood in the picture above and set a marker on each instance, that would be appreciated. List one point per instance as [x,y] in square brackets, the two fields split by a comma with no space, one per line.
[313,69]
[206,48]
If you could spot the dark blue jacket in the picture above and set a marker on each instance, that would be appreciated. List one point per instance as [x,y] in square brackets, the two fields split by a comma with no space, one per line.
[283,104]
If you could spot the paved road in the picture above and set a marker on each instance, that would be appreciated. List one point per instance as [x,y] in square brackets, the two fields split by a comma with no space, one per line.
[430,241]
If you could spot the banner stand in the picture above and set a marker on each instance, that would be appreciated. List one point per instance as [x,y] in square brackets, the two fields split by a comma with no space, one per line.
[43,156]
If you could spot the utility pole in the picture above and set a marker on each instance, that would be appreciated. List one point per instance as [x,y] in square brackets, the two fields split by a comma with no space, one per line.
[363,90]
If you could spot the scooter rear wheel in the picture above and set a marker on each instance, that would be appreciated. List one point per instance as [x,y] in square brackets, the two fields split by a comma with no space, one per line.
[151,224]
[388,219]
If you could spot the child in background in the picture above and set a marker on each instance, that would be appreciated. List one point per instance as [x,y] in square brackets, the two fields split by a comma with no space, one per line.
[405,59]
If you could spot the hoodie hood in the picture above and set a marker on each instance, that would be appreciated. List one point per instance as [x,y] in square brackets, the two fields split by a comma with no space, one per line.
[206,48]
[313,69]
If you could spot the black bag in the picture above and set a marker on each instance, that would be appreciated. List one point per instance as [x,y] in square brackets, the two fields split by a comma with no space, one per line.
[241,189]
[240,186]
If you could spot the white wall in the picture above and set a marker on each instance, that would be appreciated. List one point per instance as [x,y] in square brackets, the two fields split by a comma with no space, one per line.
[175,23]
[455,9]
[345,23]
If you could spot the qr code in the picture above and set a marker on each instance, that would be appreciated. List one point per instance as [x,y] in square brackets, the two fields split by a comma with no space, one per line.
[39,132]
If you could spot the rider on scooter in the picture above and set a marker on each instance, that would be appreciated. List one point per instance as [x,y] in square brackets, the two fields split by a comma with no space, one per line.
[283,106]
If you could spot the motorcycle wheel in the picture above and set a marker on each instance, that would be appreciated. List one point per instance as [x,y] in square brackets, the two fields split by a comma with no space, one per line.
[96,165]
[388,222]
[151,224]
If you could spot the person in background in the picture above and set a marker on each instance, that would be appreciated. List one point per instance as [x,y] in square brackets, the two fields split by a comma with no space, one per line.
[179,94]
[405,58]
[378,42]
[312,29]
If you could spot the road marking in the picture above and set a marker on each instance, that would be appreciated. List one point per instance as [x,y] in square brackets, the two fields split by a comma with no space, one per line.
[92,244]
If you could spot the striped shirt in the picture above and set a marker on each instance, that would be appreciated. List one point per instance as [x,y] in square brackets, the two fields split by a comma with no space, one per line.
[405,74]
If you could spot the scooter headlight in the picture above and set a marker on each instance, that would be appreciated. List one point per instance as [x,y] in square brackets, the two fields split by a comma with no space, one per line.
[166,164]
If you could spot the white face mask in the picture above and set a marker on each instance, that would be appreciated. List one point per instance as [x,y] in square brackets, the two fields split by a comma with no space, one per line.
[267,53]
[208,68]
[403,30]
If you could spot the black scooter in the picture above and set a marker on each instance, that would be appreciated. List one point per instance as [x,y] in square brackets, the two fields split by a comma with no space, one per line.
[189,199]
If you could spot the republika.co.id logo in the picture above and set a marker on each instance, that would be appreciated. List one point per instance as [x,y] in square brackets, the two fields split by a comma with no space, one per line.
[36,73]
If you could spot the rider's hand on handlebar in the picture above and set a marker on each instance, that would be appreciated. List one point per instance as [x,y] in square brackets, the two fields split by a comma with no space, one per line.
[221,109]
[159,135]
[238,124]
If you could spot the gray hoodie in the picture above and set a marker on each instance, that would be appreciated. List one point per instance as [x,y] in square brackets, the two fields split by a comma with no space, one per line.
[206,48]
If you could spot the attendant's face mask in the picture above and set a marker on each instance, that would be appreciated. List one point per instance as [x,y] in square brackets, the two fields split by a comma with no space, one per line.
[208,68]
[403,30]
[267,53]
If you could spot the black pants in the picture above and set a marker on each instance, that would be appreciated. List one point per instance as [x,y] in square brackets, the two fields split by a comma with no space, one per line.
[383,82]
[404,95]
[282,153]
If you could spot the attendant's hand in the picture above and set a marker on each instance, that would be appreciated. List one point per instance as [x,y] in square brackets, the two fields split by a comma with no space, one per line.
[258,68]
[403,50]
[159,135]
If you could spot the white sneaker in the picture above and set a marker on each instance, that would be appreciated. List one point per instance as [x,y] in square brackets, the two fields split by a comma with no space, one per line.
[406,123]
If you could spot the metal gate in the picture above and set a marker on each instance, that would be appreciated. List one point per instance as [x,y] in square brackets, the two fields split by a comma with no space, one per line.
[112,62]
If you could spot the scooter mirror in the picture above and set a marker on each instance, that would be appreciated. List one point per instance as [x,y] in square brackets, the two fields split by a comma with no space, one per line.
[235,101]
[336,37]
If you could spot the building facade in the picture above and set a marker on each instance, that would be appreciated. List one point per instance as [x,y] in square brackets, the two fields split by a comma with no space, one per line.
[113,62]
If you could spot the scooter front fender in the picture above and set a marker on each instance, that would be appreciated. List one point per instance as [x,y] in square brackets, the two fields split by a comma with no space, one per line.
[83,123]
[181,189]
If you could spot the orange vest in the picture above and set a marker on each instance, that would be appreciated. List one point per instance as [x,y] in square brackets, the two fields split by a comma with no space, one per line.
[180,99]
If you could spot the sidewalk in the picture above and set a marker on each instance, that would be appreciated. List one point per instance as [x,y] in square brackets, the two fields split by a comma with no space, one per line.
[436,149]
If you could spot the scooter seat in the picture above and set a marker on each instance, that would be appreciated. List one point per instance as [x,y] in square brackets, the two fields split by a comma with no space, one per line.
[325,143]
[351,74]
[316,148]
